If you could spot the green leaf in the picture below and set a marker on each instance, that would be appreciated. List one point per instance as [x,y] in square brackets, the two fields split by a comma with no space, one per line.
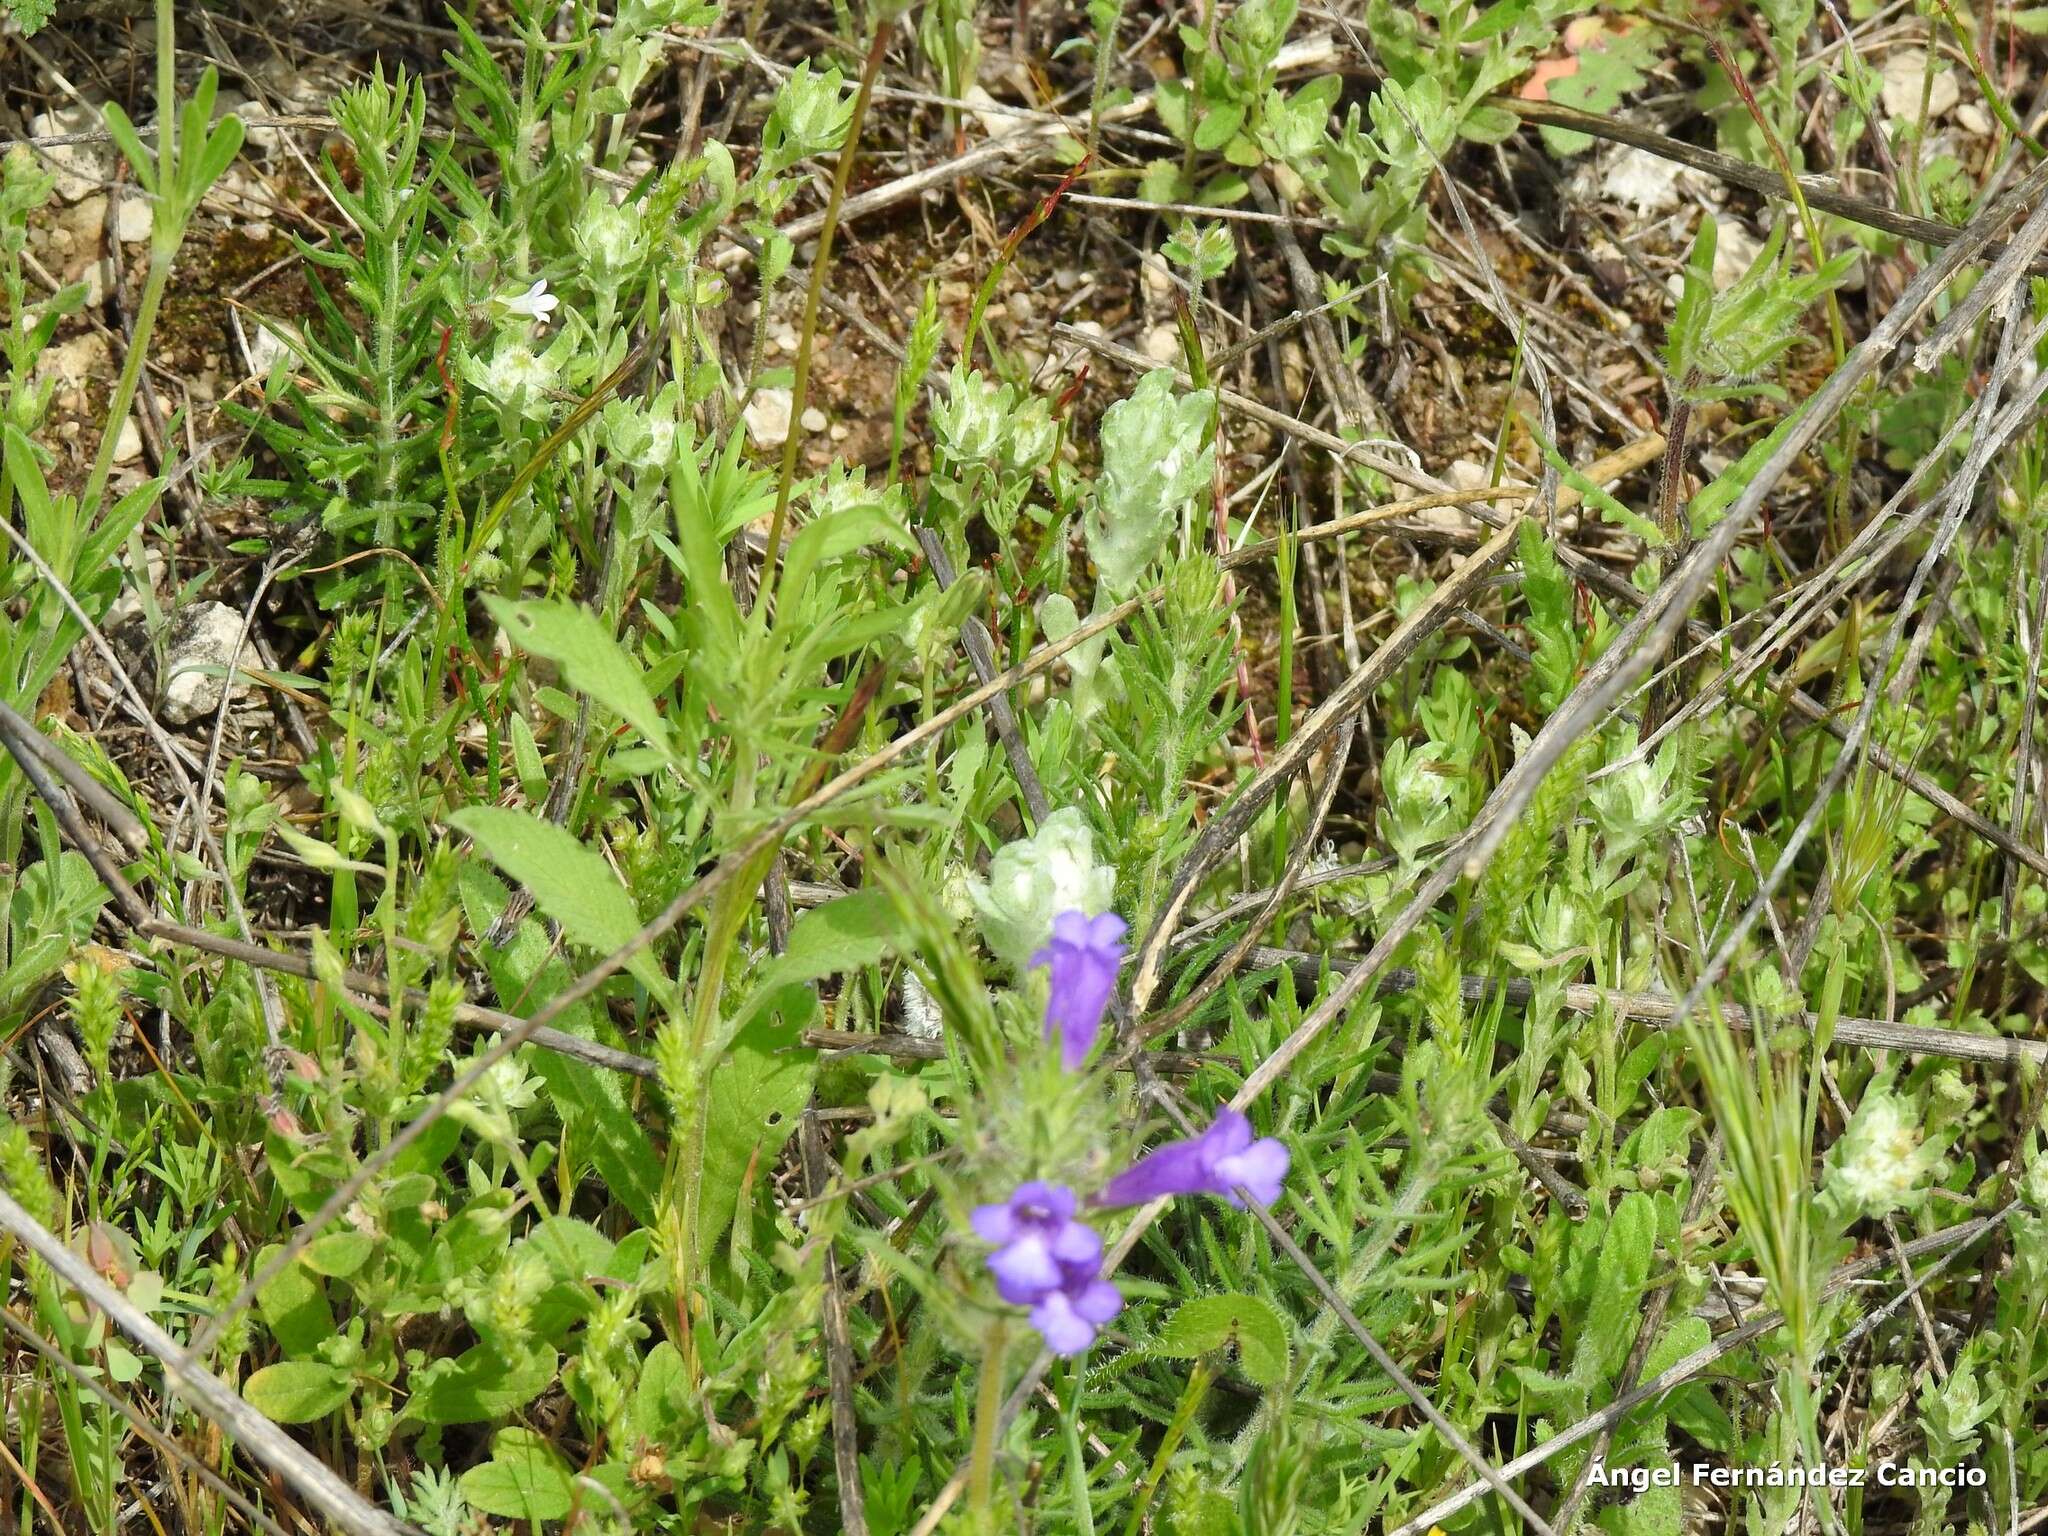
[591,660]
[844,935]
[1208,1323]
[758,1088]
[338,1253]
[1619,1280]
[294,1307]
[523,1480]
[591,1102]
[483,1382]
[298,1391]
[571,883]
[129,142]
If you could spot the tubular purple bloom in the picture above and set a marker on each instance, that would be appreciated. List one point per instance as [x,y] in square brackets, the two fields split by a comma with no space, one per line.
[1040,1248]
[1221,1160]
[1068,1320]
[1049,1262]
[1083,958]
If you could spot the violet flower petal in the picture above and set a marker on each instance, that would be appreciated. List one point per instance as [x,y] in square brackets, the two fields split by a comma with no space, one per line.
[1259,1169]
[1065,1330]
[1025,1270]
[994,1223]
[1083,958]
[1098,1301]
[1178,1168]
[1229,1132]
[1078,1247]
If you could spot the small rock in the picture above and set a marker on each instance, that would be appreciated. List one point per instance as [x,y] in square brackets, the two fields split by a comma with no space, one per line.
[132,225]
[768,417]
[1467,475]
[84,224]
[79,168]
[128,443]
[1162,343]
[1647,183]
[204,636]
[127,608]
[997,125]
[812,420]
[82,357]
[1158,281]
[1904,71]
[1973,119]
[923,1019]
[839,432]
[266,346]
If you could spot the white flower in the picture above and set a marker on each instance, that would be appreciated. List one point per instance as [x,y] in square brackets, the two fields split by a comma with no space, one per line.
[537,304]
[1156,457]
[1033,880]
[970,421]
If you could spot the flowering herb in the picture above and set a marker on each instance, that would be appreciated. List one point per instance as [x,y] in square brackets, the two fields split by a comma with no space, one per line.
[1220,1161]
[1046,1260]
[537,304]
[1082,958]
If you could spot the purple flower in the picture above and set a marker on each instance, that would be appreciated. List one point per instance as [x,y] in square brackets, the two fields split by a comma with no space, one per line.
[1067,1320]
[1221,1160]
[1083,956]
[1049,1262]
[1040,1248]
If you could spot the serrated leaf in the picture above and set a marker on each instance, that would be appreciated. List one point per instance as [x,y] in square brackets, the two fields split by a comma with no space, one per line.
[592,661]
[570,883]
[1208,1323]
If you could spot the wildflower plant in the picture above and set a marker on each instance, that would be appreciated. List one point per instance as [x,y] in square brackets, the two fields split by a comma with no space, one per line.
[1045,1255]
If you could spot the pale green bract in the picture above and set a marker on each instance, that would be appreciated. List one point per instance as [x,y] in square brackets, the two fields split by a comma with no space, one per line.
[970,422]
[1879,1163]
[1157,456]
[1031,881]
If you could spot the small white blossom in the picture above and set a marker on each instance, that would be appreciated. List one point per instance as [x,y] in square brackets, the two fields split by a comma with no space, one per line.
[537,304]
[969,423]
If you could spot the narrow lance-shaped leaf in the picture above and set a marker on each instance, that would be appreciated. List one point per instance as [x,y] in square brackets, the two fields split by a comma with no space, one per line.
[591,660]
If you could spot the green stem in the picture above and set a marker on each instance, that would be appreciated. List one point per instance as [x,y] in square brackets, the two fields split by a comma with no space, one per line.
[1082,1509]
[988,1407]
[123,398]
[163,250]
[1183,1415]
[814,295]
